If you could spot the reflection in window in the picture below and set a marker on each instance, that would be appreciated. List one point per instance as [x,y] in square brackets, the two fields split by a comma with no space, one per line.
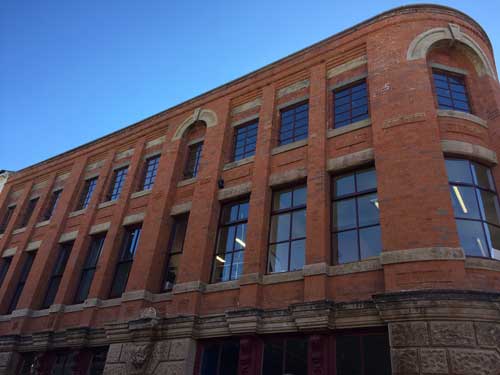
[51,207]
[150,170]
[451,91]
[176,245]
[245,140]
[231,242]
[355,216]
[350,104]
[86,194]
[89,267]
[476,207]
[287,238]
[220,358]
[285,356]
[116,187]
[294,122]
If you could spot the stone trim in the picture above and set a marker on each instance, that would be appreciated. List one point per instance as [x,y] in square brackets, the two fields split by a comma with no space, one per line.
[121,165]
[243,121]
[62,177]
[195,141]
[354,160]
[140,193]
[33,245]
[482,264]
[315,269]
[76,213]
[88,176]
[469,150]
[156,142]
[289,146]
[282,277]
[69,236]
[292,102]
[99,228]
[235,164]
[124,154]
[250,278]
[235,191]
[107,204]
[39,185]
[348,81]
[246,106]
[349,128]
[42,223]
[199,114]
[190,286]
[337,70]
[181,208]
[187,181]
[422,254]
[151,154]
[134,219]
[19,230]
[291,176]
[219,287]
[463,116]
[293,88]
[366,265]
[11,251]
[449,68]
[95,165]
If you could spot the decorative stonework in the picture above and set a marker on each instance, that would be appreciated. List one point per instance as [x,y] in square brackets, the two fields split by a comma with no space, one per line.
[199,114]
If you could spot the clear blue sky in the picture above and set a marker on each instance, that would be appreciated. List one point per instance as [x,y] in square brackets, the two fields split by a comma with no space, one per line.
[72,71]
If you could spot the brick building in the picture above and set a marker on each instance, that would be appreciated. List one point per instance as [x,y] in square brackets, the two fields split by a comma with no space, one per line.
[335,212]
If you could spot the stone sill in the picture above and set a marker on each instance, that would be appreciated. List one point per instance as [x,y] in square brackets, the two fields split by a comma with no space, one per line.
[282,277]
[365,265]
[235,164]
[188,181]
[289,146]
[349,128]
[42,223]
[107,204]
[141,193]
[76,213]
[463,116]
[19,230]
[488,264]
[223,285]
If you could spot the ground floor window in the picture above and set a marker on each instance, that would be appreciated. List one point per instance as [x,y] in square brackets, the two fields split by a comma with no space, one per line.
[220,358]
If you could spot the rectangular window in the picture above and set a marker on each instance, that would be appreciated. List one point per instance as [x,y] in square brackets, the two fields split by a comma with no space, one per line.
[4,268]
[476,207]
[6,218]
[285,356]
[89,267]
[220,358]
[26,216]
[294,122]
[245,140]
[119,176]
[451,91]
[355,216]
[51,207]
[367,354]
[86,194]
[287,237]
[231,242]
[23,277]
[176,245]
[193,160]
[57,274]
[350,104]
[126,259]
[150,170]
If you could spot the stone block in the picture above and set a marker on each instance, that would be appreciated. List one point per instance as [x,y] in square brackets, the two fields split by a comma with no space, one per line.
[409,334]
[433,361]
[405,361]
[114,353]
[452,333]
[477,362]
[180,349]
[488,334]
[5,358]
[170,368]
[115,369]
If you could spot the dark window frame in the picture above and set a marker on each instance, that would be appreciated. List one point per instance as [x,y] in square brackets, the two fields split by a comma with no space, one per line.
[204,344]
[151,165]
[448,74]
[294,138]
[117,183]
[90,265]
[57,273]
[4,268]
[221,225]
[87,192]
[7,217]
[482,221]
[248,147]
[357,194]
[350,120]
[193,158]
[23,278]
[52,205]
[283,211]
[181,219]
[284,339]
[28,212]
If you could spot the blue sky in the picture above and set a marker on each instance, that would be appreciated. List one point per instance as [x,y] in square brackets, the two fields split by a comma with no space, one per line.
[72,71]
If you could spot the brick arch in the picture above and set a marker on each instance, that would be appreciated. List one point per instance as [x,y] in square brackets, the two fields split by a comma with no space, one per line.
[420,46]
[206,115]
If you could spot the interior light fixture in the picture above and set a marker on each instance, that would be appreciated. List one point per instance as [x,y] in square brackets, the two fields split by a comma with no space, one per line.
[375,203]
[240,242]
[220,259]
[480,246]
[460,199]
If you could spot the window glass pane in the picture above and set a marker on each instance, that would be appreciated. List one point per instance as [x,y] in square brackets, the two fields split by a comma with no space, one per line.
[346,245]
[367,210]
[280,228]
[298,255]
[344,185]
[282,199]
[120,281]
[210,359]
[240,239]
[299,224]
[490,206]
[370,242]
[458,171]
[366,180]
[348,355]
[344,214]
[229,358]
[243,213]
[84,286]
[278,257]
[223,267]
[482,176]
[296,356]
[472,239]
[464,202]
[273,358]
[299,196]
[377,359]
[237,269]
[493,233]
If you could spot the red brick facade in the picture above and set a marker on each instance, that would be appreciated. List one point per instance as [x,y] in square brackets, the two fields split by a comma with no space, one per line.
[439,306]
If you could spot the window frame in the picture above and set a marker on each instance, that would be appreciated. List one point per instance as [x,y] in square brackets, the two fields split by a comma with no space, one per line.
[7,217]
[57,273]
[175,224]
[90,268]
[4,268]
[117,183]
[21,282]
[350,85]
[292,107]
[191,171]
[466,85]
[284,340]
[246,153]
[55,196]
[28,212]
[89,186]
[149,176]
